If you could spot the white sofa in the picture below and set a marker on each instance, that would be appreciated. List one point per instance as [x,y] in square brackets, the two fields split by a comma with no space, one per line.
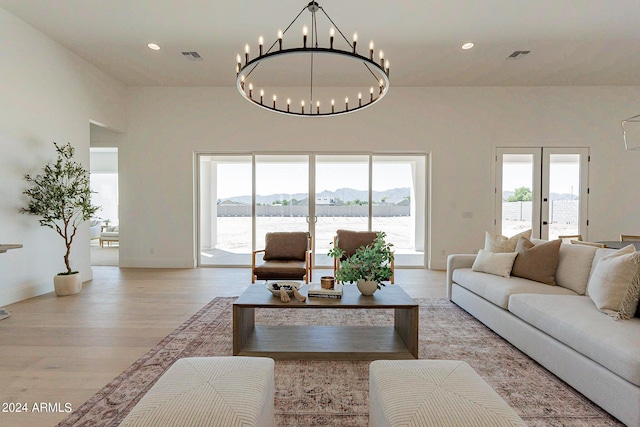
[559,326]
[110,234]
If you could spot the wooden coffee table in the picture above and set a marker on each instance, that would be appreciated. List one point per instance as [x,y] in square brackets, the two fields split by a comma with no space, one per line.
[295,342]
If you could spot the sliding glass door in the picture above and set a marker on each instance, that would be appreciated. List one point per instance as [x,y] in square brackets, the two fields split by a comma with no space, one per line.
[243,197]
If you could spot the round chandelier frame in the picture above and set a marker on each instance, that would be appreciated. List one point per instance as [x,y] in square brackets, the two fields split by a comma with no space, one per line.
[378,70]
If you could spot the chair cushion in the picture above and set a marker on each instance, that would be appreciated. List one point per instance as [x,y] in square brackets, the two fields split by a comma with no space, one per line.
[286,246]
[351,241]
[272,270]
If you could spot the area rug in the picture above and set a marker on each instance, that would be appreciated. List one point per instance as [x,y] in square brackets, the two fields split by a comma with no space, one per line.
[335,393]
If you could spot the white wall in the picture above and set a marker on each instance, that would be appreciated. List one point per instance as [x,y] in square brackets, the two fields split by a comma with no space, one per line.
[460,127]
[46,94]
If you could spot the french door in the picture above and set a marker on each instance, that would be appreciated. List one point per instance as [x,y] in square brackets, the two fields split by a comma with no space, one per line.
[544,189]
[242,197]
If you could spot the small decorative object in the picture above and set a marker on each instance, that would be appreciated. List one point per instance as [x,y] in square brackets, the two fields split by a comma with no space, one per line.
[61,197]
[317,291]
[299,296]
[284,297]
[327,282]
[369,263]
[287,286]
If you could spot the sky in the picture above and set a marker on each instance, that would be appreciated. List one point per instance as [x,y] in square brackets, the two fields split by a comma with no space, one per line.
[291,178]
[564,179]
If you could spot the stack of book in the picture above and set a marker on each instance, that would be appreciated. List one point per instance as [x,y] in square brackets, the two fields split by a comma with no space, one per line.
[316,291]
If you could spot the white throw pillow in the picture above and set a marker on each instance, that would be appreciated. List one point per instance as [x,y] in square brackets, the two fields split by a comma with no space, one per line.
[574,267]
[614,285]
[496,243]
[496,263]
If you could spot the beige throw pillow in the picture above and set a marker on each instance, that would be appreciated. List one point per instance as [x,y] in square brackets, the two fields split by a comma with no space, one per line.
[614,285]
[537,262]
[498,264]
[496,243]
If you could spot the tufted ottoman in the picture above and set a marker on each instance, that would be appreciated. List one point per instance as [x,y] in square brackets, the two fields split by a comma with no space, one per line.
[434,393]
[209,391]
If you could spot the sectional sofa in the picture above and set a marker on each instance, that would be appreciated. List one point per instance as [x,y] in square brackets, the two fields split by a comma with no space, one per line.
[559,324]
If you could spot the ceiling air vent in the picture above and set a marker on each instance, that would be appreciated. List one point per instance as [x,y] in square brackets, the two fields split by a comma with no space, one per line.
[518,54]
[192,56]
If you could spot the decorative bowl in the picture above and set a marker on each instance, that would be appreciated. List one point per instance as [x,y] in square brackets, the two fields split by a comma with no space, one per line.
[288,286]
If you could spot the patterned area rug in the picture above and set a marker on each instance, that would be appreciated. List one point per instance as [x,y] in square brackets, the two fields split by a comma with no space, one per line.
[320,393]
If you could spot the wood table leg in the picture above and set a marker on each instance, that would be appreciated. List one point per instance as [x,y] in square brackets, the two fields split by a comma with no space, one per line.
[406,324]
[243,326]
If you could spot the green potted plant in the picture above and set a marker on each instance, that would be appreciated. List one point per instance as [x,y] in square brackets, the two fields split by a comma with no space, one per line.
[61,197]
[369,266]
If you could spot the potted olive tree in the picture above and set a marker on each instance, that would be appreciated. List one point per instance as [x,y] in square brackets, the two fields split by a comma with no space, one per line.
[369,266]
[61,197]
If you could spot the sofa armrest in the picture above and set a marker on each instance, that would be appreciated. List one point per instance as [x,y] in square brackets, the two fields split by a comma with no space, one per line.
[455,261]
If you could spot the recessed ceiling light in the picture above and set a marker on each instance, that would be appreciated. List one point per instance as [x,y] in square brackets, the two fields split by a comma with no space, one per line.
[153,46]
[468,45]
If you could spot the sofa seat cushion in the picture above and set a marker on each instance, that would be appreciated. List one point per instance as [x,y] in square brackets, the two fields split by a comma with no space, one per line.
[498,289]
[576,322]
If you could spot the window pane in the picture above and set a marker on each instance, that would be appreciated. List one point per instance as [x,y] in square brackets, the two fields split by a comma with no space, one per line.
[342,197]
[517,187]
[225,210]
[564,195]
[398,205]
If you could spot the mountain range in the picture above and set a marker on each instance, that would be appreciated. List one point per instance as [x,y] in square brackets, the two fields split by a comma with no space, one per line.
[393,195]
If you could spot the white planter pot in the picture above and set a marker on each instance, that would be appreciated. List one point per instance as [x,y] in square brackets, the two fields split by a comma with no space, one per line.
[367,287]
[67,284]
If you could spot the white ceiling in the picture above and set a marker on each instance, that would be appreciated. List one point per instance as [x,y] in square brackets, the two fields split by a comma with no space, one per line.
[572,42]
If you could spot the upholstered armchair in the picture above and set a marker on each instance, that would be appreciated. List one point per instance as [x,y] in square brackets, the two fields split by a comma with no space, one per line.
[350,242]
[286,255]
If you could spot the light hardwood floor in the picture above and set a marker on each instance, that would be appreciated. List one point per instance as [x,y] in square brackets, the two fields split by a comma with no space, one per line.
[64,349]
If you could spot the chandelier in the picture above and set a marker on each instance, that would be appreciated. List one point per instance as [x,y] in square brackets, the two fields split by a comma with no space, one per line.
[313,106]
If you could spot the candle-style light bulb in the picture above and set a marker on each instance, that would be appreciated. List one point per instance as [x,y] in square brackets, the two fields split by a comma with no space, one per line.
[386,67]
[333,106]
[260,43]
[250,90]
[246,53]
[346,103]
[317,107]
[371,45]
[305,30]
[381,55]
[274,101]
[302,106]
[332,32]
[280,34]
[239,61]
[242,81]
[360,99]
[261,95]
[381,85]
[371,94]
[288,104]
[355,41]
